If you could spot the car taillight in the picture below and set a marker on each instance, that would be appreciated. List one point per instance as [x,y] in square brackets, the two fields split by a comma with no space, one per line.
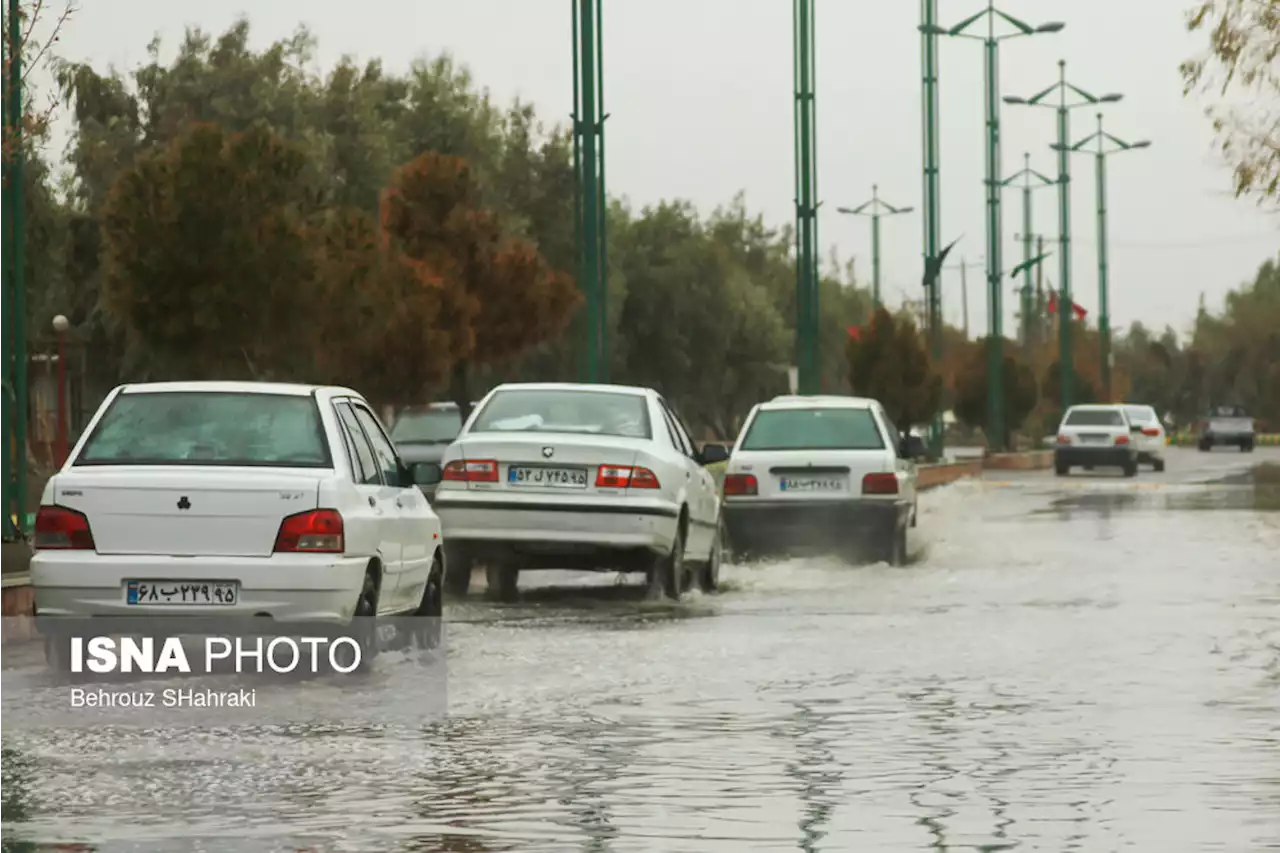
[1150,432]
[741,484]
[1122,439]
[1064,439]
[317,531]
[885,483]
[471,471]
[62,529]
[625,477]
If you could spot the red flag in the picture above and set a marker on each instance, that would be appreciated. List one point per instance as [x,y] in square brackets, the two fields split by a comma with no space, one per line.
[1076,308]
[1080,312]
[855,332]
[1053,302]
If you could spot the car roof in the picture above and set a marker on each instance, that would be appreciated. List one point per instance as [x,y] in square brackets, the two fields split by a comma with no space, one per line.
[286,388]
[1097,407]
[795,401]
[574,386]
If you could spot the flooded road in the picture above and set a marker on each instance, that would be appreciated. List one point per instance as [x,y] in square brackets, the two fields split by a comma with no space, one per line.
[1089,663]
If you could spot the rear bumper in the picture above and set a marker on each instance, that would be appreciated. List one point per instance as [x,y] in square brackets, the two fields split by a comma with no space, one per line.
[758,527]
[558,535]
[1228,438]
[305,588]
[1097,457]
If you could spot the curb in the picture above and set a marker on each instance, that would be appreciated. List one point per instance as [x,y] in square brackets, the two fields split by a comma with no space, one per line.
[1262,440]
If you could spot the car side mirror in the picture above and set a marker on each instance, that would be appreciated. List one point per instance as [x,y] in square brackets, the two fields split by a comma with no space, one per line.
[912,447]
[425,474]
[712,454]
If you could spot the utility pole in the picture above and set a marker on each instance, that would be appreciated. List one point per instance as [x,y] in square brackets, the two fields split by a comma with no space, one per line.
[590,206]
[1027,174]
[993,183]
[875,208]
[1100,155]
[806,150]
[1066,363]
[932,184]
[964,266]
[15,293]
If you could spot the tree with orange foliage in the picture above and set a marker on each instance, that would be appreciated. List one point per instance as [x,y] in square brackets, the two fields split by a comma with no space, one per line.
[498,296]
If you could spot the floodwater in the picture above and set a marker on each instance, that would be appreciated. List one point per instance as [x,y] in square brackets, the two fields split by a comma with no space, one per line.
[1084,664]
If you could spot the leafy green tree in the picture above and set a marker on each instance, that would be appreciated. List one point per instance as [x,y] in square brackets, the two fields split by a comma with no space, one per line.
[888,362]
[205,249]
[1020,391]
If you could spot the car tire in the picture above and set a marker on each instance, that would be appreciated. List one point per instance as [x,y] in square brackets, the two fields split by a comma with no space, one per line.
[896,548]
[1158,466]
[666,573]
[1061,470]
[915,513]
[709,572]
[457,570]
[363,628]
[57,653]
[425,629]
[1246,447]
[503,580]
[1131,469]
[1205,446]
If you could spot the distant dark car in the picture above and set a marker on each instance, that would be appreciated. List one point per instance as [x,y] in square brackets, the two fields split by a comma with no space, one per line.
[421,434]
[1229,426]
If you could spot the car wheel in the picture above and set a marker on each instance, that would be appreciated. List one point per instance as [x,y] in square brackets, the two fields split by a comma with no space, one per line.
[1061,470]
[896,549]
[1131,469]
[709,572]
[666,573]
[1247,447]
[1205,446]
[57,653]
[503,580]
[458,565]
[915,513]
[427,626]
[363,629]
[1158,466]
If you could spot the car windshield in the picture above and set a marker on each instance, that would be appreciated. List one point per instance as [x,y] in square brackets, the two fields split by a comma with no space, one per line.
[593,412]
[209,428]
[1141,414]
[1094,417]
[431,426]
[813,429]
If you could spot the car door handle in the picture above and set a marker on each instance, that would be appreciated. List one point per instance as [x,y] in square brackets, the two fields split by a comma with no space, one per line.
[373,502]
[399,503]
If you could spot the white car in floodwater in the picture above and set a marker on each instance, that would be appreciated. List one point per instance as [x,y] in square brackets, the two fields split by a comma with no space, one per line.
[570,476]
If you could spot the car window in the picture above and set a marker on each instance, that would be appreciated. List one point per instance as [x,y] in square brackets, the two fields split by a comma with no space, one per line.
[679,436]
[671,429]
[209,428]
[382,449]
[1094,417]
[813,429]
[691,449]
[894,434]
[565,410]
[432,426]
[366,469]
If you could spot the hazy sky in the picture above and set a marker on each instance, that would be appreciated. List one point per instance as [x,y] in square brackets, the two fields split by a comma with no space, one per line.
[700,96]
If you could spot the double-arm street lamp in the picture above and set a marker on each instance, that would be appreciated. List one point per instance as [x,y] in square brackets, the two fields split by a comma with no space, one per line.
[991,42]
[1106,146]
[1027,175]
[875,208]
[1064,90]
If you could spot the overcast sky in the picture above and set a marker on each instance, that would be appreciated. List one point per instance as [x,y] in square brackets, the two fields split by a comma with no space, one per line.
[700,96]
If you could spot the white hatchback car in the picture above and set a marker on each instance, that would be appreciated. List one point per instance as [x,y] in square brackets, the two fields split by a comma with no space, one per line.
[569,476]
[235,499]
[1150,438]
[831,473]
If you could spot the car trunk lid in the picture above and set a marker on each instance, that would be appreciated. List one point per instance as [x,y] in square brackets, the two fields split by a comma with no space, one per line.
[806,475]
[188,511]
[549,463]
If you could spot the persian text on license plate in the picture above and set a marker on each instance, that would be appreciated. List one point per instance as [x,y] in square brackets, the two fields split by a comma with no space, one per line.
[563,478]
[189,593]
[812,484]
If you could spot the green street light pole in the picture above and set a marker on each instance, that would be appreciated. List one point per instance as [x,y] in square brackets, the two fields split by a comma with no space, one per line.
[993,182]
[1100,155]
[15,293]
[806,150]
[875,209]
[1028,241]
[1066,363]
[589,201]
[932,189]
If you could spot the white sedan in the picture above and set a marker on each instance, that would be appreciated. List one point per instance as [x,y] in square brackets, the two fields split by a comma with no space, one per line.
[235,499]
[568,476]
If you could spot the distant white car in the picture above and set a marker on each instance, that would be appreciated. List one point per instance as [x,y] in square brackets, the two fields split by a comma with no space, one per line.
[1096,436]
[826,472]
[1150,438]
[577,476]
[235,499]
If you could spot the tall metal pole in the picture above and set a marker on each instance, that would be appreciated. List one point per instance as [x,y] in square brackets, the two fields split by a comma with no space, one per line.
[875,259]
[603,310]
[807,364]
[19,261]
[995,239]
[1040,300]
[875,209]
[62,397]
[1104,311]
[964,294]
[1066,363]
[589,154]
[932,187]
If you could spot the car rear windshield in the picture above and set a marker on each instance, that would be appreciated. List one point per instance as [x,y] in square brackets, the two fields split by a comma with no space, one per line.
[592,412]
[1094,417]
[1141,415]
[439,426]
[813,429]
[209,428]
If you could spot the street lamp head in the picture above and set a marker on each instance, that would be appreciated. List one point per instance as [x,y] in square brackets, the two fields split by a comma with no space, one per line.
[933,30]
[1014,99]
[905,209]
[1111,98]
[1145,143]
[1051,27]
[61,323]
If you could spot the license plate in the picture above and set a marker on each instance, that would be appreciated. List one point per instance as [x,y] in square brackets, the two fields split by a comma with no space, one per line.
[1093,438]
[811,484]
[560,478]
[191,594]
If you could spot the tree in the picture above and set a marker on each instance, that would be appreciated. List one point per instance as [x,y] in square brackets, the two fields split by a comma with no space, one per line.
[1020,392]
[38,33]
[888,362]
[498,295]
[206,255]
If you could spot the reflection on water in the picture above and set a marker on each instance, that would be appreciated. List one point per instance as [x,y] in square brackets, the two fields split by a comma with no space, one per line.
[1085,670]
